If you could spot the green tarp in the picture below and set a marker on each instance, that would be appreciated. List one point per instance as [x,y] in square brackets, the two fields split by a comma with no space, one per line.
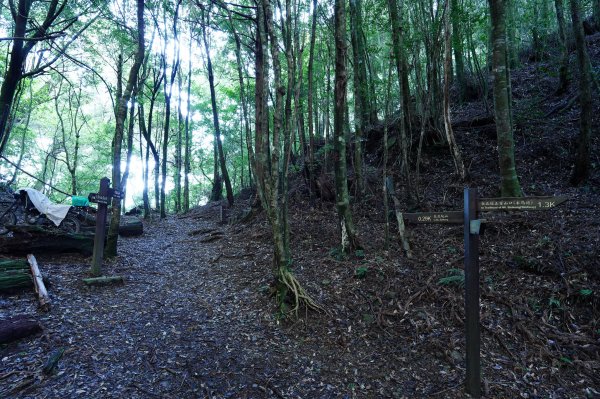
[80,201]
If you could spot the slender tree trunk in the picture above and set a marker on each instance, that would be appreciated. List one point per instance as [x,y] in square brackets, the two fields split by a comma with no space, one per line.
[457,44]
[168,91]
[243,96]
[113,231]
[397,48]
[509,186]
[178,152]
[146,157]
[361,106]
[456,154]
[188,135]
[215,112]
[581,171]
[129,147]
[311,92]
[349,237]
[563,71]
[23,136]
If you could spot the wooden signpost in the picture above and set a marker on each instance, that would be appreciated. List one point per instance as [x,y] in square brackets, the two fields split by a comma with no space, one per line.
[102,198]
[472,224]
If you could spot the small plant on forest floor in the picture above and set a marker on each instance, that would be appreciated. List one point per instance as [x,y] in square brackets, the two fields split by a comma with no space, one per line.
[554,303]
[455,277]
[361,272]
[337,254]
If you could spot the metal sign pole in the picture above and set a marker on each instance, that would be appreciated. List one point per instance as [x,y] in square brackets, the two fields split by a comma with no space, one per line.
[100,227]
[471,231]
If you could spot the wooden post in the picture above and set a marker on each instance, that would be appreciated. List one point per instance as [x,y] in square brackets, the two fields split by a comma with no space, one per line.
[471,232]
[100,227]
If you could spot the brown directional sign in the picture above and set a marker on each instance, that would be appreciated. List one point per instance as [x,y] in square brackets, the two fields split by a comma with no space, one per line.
[519,203]
[434,217]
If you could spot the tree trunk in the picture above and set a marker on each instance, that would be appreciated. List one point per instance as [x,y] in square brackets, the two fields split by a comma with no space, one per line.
[168,90]
[215,112]
[311,92]
[563,71]
[178,144]
[581,171]
[349,237]
[113,231]
[457,44]
[509,186]
[397,47]
[188,135]
[361,100]
[456,154]
[14,71]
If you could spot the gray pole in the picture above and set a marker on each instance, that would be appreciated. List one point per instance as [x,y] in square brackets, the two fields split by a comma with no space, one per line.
[471,231]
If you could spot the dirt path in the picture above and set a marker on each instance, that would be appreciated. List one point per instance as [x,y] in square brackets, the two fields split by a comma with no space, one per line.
[183,325]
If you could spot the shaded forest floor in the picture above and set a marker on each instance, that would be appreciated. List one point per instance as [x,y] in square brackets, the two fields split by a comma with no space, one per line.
[194,318]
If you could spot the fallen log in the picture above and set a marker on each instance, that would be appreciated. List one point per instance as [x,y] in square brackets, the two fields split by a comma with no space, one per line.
[18,327]
[13,264]
[14,275]
[28,239]
[130,227]
[103,280]
[12,280]
[38,283]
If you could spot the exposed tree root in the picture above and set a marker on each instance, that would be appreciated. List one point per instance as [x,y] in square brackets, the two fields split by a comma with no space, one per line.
[289,287]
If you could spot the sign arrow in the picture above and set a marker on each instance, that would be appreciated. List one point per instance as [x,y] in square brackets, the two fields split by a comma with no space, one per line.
[519,203]
[450,217]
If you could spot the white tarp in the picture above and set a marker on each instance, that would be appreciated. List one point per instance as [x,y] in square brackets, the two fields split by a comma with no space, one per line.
[54,212]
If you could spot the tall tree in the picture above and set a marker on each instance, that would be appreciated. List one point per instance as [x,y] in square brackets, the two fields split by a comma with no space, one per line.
[188,133]
[268,169]
[456,153]
[349,236]
[29,31]
[457,44]
[509,185]
[401,69]
[215,113]
[582,162]
[121,114]
[563,72]
[310,101]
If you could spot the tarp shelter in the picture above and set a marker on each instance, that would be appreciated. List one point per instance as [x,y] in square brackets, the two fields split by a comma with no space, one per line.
[55,212]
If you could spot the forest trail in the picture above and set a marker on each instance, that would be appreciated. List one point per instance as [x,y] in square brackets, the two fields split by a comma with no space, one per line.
[184,324]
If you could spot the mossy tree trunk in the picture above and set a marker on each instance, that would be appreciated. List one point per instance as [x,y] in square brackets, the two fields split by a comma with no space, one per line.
[509,185]
[269,167]
[349,236]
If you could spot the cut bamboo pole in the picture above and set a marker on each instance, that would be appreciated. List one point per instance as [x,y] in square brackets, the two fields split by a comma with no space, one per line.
[38,283]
